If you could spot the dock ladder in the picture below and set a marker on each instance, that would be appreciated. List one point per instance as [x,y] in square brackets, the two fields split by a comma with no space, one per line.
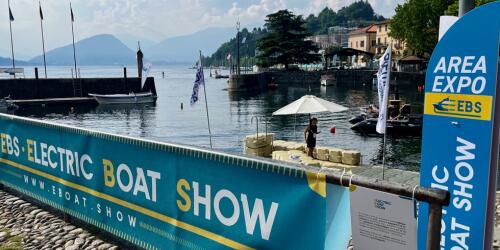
[77,87]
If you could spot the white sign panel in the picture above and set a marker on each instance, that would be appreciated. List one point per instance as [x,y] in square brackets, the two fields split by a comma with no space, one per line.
[382,221]
[445,22]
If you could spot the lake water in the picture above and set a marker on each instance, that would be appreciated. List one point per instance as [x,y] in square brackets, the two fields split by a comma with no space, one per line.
[231,114]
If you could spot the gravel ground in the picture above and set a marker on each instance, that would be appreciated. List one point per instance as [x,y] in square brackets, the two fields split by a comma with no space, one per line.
[25,226]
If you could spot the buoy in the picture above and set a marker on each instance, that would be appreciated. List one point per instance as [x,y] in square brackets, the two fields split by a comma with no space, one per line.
[333,130]
[182,105]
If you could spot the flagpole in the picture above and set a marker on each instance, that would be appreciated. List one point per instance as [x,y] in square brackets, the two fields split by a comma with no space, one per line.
[43,39]
[386,108]
[11,40]
[73,33]
[206,103]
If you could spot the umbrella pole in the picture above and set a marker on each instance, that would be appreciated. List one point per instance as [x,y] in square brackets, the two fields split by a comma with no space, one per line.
[295,126]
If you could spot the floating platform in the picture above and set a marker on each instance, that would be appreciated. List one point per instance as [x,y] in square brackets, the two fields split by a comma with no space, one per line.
[331,158]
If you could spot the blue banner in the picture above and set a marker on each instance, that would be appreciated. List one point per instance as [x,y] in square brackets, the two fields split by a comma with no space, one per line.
[458,133]
[163,196]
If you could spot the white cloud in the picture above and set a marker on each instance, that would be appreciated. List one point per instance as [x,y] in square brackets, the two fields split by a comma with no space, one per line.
[151,19]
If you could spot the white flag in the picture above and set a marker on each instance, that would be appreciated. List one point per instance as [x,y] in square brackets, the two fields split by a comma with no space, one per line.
[145,72]
[244,40]
[383,79]
[228,57]
[200,80]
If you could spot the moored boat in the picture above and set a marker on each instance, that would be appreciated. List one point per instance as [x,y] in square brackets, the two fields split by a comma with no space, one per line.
[131,98]
[407,126]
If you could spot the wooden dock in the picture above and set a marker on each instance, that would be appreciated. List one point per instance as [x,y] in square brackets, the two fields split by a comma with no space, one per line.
[55,101]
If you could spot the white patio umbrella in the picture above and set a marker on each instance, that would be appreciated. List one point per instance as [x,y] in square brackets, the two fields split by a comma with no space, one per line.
[309,104]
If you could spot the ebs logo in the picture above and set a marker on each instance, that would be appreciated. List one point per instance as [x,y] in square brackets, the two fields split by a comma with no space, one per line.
[477,107]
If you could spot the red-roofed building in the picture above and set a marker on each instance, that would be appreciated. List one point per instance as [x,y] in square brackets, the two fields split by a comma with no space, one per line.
[363,39]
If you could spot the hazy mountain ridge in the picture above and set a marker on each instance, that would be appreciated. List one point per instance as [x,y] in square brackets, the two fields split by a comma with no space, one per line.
[7,62]
[103,49]
[185,49]
[106,49]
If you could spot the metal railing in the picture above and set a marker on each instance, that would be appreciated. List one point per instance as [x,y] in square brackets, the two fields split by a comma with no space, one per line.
[434,197]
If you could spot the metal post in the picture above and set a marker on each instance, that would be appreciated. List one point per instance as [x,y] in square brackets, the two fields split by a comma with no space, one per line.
[43,39]
[383,155]
[465,6]
[434,226]
[206,102]
[73,33]
[36,73]
[238,48]
[12,42]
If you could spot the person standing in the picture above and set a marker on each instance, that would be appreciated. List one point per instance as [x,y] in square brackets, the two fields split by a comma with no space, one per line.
[310,135]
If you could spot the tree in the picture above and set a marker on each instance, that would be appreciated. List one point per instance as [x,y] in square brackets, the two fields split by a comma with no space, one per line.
[417,22]
[247,49]
[285,42]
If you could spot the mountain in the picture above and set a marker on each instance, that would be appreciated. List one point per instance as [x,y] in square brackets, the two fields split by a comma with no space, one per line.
[101,49]
[185,49]
[131,41]
[357,14]
[7,62]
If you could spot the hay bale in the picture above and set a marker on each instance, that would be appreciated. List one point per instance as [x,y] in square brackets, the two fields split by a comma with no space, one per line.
[279,155]
[295,155]
[279,145]
[265,151]
[296,146]
[257,141]
[321,153]
[351,157]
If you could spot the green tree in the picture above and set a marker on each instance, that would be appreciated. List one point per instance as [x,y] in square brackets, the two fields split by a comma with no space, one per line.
[247,49]
[285,42]
[417,22]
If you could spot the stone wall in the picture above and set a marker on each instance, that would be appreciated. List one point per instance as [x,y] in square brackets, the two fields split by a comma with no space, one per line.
[257,81]
[19,89]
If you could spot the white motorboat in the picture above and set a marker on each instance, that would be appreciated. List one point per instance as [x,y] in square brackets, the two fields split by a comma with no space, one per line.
[131,98]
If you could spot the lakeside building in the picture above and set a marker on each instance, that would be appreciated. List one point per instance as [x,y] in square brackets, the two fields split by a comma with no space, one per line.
[340,35]
[322,41]
[384,39]
[363,39]
[375,38]
[337,37]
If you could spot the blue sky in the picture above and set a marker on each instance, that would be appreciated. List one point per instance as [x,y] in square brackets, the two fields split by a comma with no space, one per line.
[147,19]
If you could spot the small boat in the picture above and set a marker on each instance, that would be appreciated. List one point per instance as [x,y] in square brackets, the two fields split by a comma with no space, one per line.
[406,126]
[131,98]
[328,80]
[368,112]
[403,123]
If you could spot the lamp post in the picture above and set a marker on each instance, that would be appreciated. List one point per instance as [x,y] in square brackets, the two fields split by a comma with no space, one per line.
[238,47]
[465,6]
